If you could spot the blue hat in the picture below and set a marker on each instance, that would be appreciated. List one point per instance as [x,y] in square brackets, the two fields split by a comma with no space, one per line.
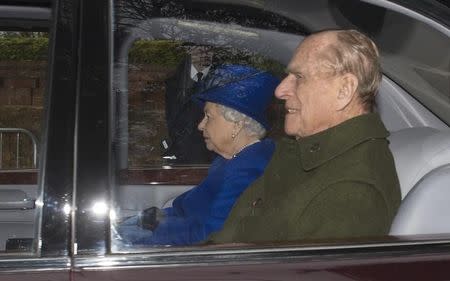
[243,88]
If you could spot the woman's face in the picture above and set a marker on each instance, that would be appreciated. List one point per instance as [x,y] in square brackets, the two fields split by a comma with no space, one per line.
[217,131]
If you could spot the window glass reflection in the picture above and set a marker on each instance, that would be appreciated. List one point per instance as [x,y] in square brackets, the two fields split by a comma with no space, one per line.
[163,76]
[167,153]
[23,65]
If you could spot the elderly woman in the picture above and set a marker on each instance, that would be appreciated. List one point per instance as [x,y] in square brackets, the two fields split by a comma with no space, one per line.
[234,98]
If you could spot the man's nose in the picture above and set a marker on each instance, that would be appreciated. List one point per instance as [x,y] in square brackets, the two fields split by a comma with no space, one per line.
[284,89]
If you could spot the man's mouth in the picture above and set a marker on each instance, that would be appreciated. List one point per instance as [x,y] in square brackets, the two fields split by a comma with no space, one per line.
[291,110]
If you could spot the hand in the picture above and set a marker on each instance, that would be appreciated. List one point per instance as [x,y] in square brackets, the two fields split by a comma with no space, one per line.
[150,218]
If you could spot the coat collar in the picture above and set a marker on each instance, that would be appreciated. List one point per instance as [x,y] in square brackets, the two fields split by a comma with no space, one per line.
[319,148]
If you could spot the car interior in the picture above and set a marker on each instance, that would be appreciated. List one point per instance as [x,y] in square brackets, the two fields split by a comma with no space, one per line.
[420,139]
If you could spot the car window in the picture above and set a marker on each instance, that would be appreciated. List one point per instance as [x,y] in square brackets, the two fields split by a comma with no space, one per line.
[155,45]
[23,70]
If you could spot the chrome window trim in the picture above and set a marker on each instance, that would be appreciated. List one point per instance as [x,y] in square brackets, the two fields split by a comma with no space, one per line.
[364,253]
[21,264]
[215,257]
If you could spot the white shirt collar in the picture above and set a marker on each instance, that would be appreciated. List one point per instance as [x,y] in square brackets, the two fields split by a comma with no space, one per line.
[194,72]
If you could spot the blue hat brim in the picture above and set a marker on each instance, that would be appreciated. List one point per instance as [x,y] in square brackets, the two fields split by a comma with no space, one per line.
[250,95]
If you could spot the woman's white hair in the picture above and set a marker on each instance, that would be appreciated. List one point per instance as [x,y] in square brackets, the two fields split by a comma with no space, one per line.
[250,126]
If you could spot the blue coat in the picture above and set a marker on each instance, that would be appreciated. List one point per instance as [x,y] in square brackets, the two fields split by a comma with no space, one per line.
[203,210]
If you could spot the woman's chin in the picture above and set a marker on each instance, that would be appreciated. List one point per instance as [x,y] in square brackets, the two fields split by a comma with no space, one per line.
[209,146]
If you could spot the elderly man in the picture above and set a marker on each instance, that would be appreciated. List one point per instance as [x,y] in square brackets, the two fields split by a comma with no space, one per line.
[336,178]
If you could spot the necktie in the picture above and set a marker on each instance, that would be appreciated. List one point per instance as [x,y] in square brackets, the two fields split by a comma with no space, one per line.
[199,76]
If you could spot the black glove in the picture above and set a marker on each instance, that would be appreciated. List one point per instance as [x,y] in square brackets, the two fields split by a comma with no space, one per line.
[150,218]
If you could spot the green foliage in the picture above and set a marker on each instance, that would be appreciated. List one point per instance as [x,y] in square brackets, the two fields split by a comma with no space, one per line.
[234,56]
[22,34]
[159,52]
[23,48]
[169,53]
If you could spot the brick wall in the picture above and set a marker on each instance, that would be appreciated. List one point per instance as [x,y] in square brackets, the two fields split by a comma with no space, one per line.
[22,82]
[22,86]
[146,113]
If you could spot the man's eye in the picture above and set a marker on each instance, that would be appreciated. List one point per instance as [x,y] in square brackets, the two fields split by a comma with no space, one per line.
[298,76]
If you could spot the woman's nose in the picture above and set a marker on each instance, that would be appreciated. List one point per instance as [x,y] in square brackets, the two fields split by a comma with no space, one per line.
[201,125]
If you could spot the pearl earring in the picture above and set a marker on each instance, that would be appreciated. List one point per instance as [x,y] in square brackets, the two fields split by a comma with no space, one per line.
[233,135]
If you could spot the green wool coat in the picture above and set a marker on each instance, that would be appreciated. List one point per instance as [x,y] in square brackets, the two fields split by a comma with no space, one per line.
[339,183]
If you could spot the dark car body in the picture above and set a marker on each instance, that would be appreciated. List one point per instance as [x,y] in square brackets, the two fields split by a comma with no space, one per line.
[84,139]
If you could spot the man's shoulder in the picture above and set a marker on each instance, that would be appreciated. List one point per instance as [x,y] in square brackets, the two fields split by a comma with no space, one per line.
[285,146]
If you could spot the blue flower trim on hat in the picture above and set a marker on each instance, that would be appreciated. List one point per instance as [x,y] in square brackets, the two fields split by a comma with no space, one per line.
[243,88]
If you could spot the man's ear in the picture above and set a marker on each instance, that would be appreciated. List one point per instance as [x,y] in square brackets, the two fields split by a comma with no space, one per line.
[347,90]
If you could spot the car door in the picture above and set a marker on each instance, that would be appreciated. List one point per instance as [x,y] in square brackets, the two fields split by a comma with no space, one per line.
[104,155]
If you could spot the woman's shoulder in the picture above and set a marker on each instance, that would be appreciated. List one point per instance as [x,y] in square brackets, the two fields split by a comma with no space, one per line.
[262,148]
[255,156]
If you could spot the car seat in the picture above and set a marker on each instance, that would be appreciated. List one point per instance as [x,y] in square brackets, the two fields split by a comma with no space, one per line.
[422,159]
